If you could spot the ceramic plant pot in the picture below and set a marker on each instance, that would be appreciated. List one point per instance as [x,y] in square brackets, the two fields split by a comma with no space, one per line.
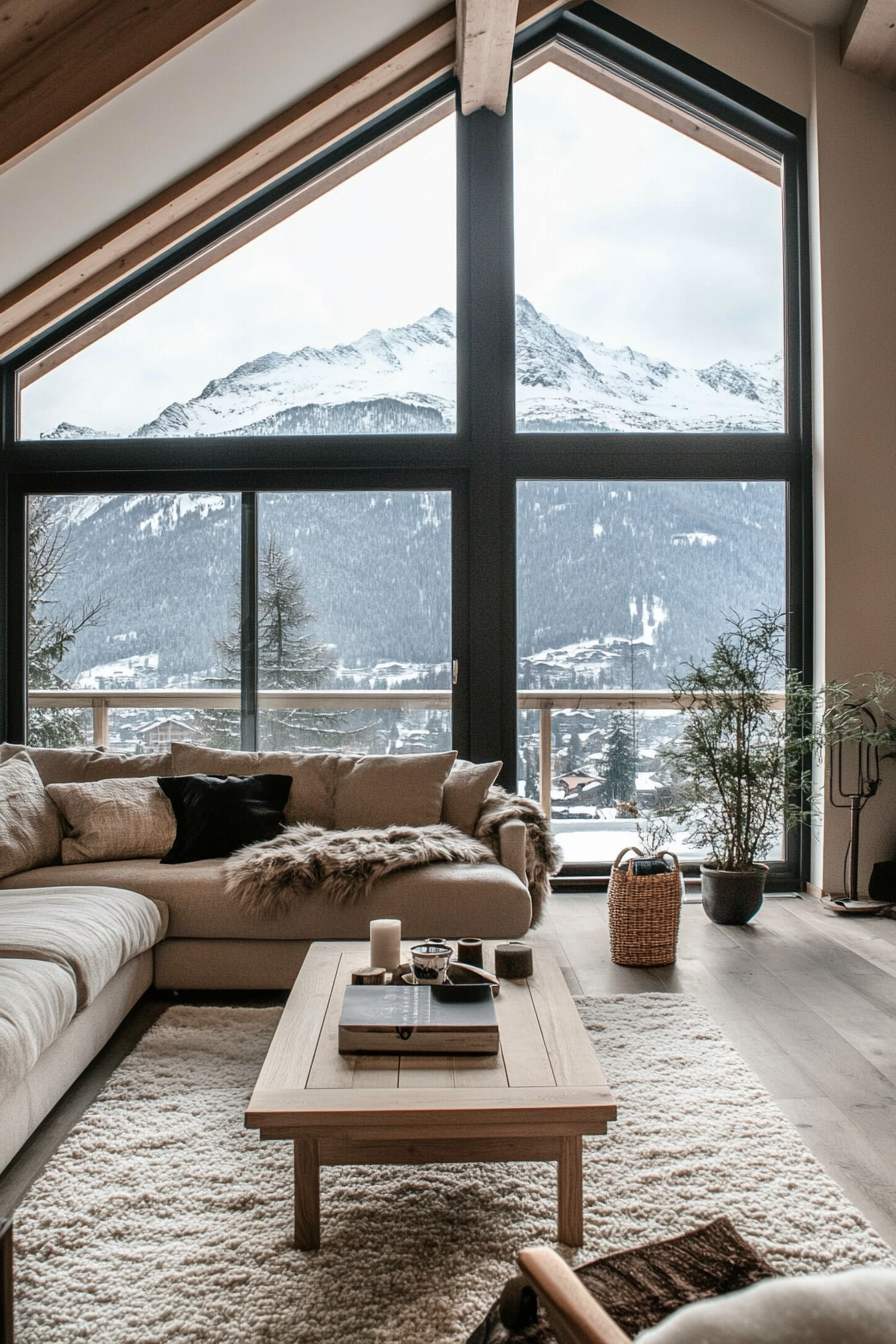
[732,898]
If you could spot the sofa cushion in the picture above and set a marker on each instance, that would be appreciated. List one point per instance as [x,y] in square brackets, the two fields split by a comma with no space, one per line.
[79,765]
[114,819]
[313,791]
[465,790]
[219,814]
[30,829]
[378,791]
[453,900]
[91,931]
[38,999]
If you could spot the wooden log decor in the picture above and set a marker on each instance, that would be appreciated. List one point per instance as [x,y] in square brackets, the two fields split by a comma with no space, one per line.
[513,961]
[369,975]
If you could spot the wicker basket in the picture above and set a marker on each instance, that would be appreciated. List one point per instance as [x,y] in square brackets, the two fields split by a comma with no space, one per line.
[644,913]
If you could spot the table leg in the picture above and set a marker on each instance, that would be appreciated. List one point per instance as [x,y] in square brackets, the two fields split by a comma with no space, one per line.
[307,1194]
[570,1222]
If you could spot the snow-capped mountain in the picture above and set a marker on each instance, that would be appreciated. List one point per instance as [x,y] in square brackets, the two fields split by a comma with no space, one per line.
[403,380]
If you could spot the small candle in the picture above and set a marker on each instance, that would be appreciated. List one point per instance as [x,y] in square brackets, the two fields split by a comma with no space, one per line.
[385,943]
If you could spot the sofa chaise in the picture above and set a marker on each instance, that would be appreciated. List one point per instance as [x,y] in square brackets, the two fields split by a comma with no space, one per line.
[87,927]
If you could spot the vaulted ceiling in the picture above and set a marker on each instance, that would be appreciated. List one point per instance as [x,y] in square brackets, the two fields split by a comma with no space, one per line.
[83,105]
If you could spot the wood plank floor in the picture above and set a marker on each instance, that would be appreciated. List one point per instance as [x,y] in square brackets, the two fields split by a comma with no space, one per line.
[807,999]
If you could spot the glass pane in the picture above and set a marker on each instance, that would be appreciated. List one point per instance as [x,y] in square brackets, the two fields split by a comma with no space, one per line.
[649,271]
[127,596]
[618,585]
[355,621]
[338,320]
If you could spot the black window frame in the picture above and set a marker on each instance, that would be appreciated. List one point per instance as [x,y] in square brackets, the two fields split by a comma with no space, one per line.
[483,460]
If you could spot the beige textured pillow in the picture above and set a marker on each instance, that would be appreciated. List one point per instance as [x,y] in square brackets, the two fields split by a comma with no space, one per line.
[392,790]
[114,819]
[465,790]
[77,765]
[30,830]
[311,797]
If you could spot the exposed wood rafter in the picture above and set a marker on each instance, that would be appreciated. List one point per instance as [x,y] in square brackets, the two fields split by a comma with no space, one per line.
[868,40]
[59,61]
[485,33]
[311,125]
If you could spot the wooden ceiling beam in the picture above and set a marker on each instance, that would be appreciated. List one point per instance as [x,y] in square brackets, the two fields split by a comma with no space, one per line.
[311,125]
[485,33]
[868,40]
[60,73]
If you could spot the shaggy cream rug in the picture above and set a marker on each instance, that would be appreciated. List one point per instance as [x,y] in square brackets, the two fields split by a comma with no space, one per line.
[162,1219]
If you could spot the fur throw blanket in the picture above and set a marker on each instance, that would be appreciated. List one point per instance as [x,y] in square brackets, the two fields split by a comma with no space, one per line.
[543,854]
[265,878]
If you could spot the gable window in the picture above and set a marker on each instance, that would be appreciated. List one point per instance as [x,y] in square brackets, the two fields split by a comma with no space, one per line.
[649,267]
[337,319]
[518,406]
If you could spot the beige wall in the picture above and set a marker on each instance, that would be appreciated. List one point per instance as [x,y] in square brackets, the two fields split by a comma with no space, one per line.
[855,240]
[852,148]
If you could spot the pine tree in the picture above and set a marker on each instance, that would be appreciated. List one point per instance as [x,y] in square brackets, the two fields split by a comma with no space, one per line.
[51,631]
[289,658]
[621,764]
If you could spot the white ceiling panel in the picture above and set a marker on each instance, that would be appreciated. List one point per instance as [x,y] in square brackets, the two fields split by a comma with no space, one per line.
[182,114]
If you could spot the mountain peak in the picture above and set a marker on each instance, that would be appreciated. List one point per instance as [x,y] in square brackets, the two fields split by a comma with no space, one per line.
[403,380]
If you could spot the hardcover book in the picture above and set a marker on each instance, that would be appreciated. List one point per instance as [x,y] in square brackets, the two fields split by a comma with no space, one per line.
[418,1020]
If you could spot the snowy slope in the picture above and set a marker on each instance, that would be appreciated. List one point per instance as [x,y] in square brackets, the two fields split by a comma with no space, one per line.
[403,381]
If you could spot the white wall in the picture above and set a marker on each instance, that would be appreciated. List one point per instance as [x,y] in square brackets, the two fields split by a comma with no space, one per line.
[235,78]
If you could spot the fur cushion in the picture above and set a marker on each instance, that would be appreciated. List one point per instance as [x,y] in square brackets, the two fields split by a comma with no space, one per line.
[265,879]
[543,855]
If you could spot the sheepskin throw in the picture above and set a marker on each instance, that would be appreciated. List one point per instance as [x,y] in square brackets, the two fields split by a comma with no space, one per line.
[543,855]
[266,878]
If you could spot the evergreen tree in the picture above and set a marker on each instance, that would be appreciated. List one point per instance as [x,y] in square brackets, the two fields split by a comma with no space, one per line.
[621,764]
[289,658]
[572,762]
[51,631]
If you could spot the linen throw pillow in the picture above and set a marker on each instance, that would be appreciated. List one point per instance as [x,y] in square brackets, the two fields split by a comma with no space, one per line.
[465,792]
[313,791]
[391,790]
[219,814]
[114,819]
[30,829]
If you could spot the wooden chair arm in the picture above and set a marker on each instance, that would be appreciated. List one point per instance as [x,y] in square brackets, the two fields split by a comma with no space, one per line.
[575,1316]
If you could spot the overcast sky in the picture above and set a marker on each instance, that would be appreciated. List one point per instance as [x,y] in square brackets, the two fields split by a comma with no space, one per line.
[626,231]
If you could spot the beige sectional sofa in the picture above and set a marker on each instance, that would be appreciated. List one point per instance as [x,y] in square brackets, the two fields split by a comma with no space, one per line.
[80,942]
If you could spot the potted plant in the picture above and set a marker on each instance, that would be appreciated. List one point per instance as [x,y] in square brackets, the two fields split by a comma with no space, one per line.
[743,761]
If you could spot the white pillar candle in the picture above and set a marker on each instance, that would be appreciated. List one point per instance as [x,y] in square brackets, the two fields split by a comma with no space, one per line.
[385,943]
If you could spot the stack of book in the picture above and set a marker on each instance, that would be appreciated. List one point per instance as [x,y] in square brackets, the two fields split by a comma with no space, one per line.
[418,1020]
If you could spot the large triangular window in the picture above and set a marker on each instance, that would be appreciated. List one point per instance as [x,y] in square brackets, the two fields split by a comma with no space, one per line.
[338,319]
[649,266]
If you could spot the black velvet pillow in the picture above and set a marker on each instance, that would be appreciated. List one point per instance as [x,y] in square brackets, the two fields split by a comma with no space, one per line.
[218,814]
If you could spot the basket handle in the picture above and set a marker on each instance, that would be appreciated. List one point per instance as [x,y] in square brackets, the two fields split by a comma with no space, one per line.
[622,853]
[667,853]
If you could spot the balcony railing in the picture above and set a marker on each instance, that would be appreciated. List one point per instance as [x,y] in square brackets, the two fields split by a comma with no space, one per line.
[100,702]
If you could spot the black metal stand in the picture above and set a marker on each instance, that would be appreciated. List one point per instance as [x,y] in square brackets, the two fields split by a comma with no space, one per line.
[866,783]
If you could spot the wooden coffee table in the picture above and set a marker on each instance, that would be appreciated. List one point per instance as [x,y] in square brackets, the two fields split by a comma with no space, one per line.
[532,1102]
